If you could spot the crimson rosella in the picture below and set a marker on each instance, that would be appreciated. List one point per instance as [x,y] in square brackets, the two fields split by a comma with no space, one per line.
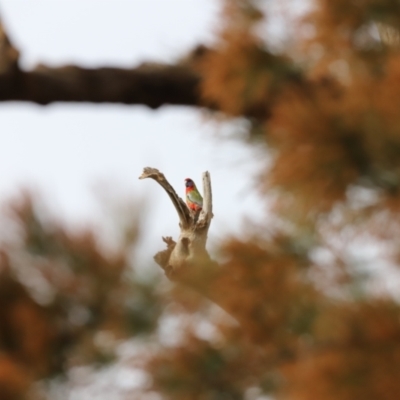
[193,197]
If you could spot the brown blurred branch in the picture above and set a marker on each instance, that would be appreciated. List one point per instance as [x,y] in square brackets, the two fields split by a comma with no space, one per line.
[153,87]
[148,84]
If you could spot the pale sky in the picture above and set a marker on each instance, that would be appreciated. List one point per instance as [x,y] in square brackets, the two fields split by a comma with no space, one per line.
[65,151]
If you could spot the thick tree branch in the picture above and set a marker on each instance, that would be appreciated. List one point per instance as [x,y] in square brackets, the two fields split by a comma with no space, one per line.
[153,87]
[149,84]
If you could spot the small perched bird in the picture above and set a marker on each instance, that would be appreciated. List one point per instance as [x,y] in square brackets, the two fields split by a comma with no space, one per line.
[193,197]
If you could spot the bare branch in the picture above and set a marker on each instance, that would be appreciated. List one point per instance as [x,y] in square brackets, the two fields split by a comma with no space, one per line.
[190,249]
[184,215]
[168,84]
[150,84]
[162,257]
[206,213]
[187,261]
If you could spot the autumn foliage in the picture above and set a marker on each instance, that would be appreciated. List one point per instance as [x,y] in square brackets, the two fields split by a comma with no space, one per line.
[305,307]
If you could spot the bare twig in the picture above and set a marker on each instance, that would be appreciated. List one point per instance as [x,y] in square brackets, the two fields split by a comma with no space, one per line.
[162,257]
[206,213]
[184,215]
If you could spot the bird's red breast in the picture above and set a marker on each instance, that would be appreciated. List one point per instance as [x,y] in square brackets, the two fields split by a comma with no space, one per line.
[189,189]
[193,206]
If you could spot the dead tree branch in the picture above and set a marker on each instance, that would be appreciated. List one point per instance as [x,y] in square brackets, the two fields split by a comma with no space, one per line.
[184,259]
[206,213]
[187,261]
[180,206]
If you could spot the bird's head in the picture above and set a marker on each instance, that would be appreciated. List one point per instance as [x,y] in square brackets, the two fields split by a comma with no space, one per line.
[189,183]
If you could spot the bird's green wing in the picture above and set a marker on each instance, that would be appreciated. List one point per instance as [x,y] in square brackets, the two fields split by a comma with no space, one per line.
[195,197]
